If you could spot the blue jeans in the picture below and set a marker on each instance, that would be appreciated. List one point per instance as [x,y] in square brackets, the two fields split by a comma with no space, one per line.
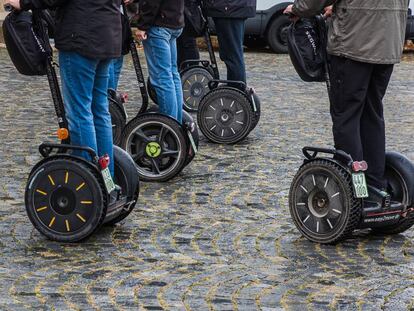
[161,54]
[230,35]
[114,72]
[85,89]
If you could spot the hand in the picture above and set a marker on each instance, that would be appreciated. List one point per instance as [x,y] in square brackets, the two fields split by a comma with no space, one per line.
[141,35]
[288,11]
[328,11]
[13,3]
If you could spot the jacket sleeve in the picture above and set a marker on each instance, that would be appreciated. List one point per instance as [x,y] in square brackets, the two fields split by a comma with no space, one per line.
[41,4]
[308,8]
[148,11]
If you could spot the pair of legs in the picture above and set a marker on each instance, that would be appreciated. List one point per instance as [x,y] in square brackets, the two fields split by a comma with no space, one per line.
[187,48]
[115,69]
[85,89]
[161,54]
[230,34]
[357,91]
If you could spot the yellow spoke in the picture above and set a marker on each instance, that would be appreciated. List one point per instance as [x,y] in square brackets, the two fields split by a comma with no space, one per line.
[52,222]
[41,192]
[41,209]
[66,177]
[51,180]
[81,218]
[80,186]
[67,225]
[86,202]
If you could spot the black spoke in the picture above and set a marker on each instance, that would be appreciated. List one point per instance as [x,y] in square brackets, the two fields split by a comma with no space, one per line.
[155,167]
[170,154]
[161,135]
[141,136]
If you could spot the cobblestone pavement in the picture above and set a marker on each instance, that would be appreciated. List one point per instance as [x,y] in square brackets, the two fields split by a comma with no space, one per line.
[219,236]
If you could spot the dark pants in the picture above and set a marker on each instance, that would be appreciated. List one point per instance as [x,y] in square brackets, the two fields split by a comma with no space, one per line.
[357,112]
[187,48]
[230,33]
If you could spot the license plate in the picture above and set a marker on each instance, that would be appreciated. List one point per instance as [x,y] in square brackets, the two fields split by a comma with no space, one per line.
[109,183]
[360,185]
[192,142]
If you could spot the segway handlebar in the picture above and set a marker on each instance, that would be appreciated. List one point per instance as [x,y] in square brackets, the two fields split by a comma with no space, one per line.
[46,149]
[8,7]
[311,153]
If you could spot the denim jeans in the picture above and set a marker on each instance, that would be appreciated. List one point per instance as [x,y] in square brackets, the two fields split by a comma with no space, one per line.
[230,35]
[85,89]
[114,72]
[161,54]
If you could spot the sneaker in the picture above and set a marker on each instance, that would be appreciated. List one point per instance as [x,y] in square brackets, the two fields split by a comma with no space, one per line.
[115,195]
[378,199]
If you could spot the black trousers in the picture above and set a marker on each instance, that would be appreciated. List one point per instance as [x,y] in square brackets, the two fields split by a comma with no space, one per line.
[187,48]
[357,91]
[230,35]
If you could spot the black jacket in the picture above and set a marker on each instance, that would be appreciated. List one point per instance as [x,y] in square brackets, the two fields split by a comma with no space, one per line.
[90,28]
[230,8]
[161,13]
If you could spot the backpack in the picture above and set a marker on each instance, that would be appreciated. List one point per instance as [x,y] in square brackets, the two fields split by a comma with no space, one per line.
[27,42]
[195,23]
[307,44]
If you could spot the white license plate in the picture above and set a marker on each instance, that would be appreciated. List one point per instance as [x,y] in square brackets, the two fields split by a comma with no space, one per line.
[360,185]
[109,183]
[192,142]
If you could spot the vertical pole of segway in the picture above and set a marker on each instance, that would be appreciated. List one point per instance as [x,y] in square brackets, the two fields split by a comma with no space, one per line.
[210,48]
[138,70]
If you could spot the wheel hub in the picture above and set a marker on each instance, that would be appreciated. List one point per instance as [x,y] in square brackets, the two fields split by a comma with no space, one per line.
[63,201]
[318,203]
[197,90]
[153,149]
[226,116]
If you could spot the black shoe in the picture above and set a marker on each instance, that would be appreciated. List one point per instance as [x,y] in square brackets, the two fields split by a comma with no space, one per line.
[115,195]
[378,199]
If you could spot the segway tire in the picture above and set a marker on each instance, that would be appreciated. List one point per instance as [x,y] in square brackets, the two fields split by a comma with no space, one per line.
[225,116]
[322,202]
[126,176]
[65,198]
[399,172]
[158,146]
[118,122]
[195,86]
[187,118]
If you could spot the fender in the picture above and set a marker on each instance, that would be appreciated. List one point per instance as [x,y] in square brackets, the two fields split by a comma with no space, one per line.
[405,168]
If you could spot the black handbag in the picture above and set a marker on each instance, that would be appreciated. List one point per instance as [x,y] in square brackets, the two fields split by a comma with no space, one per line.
[27,42]
[307,44]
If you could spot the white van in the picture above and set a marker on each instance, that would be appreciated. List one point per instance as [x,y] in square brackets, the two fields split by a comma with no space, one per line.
[269,27]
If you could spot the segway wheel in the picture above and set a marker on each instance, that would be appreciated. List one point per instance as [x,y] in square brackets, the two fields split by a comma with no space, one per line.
[399,172]
[151,91]
[195,86]
[65,199]
[126,176]
[118,122]
[322,202]
[225,116]
[157,145]
[256,106]
[193,131]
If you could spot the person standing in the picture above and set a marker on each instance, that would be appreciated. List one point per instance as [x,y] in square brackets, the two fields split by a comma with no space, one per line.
[160,23]
[229,17]
[363,52]
[88,36]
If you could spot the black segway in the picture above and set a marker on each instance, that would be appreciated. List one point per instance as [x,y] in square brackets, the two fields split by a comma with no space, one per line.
[67,197]
[158,144]
[328,195]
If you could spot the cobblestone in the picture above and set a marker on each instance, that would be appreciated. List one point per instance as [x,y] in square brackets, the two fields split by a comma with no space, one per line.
[217,237]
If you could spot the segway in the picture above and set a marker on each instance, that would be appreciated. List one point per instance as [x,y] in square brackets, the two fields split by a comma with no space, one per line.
[158,144]
[67,197]
[328,195]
